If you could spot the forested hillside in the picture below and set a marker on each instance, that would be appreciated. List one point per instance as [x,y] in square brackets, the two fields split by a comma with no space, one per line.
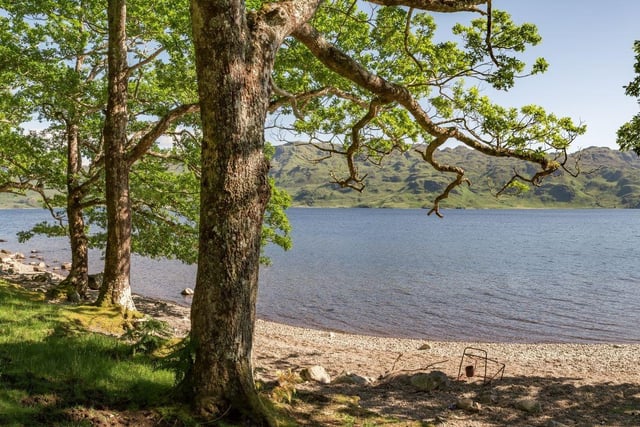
[608,179]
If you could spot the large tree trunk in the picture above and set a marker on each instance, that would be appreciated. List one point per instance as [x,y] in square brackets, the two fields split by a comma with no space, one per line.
[115,289]
[234,94]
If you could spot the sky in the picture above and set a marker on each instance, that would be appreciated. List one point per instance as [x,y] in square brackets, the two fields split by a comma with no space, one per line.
[589,46]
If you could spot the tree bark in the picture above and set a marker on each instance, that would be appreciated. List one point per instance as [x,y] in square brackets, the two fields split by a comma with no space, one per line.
[234,94]
[79,274]
[116,289]
[235,52]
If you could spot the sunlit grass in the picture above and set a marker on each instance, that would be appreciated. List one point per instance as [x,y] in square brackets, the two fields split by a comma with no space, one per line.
[51,361]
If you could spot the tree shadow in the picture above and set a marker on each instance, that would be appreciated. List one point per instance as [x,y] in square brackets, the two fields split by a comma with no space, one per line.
[556,401]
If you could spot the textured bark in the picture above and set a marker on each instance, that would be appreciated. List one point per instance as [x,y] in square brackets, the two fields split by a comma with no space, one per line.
[234,57]
[234,193]
[115,289]
[79,274]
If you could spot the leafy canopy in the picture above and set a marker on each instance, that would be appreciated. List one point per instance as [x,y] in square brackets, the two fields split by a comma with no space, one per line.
[629,133]
[53,70]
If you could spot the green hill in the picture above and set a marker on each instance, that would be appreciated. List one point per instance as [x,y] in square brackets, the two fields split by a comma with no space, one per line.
[608,178]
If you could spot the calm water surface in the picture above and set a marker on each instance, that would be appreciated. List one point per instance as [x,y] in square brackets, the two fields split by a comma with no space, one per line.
[486,275]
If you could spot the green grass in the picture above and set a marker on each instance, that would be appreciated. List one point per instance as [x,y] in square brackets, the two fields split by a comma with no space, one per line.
[63,365]
[51,366]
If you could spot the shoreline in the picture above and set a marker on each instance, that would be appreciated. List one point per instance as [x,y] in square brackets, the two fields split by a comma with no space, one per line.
[22,272]
[436,300]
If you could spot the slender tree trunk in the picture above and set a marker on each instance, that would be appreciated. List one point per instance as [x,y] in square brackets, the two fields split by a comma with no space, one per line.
[115,288]
[78,276]
[234,93]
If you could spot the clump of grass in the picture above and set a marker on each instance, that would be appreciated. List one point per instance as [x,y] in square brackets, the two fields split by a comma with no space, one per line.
[286,388]
[147,335]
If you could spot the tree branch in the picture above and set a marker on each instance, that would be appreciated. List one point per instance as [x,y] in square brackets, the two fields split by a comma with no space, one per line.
[428,156]
[147,140]
[354,180]
[388,92]
[444,6]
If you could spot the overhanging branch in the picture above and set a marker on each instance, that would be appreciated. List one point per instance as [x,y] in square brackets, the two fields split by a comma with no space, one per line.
[387,92]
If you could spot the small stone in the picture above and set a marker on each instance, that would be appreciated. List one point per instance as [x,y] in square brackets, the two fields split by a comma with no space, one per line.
[349,378]
[431,381]
[95,281]
[528,405]
[424,347]
[66,266]
[487,397]
[464,403]
[73,296]
[187,291]
[315,373]
[46,277]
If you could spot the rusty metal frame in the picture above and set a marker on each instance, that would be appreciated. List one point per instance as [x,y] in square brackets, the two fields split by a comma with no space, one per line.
[479,355]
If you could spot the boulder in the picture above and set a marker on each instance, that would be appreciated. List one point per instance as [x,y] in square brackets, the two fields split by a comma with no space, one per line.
[315,373]
[435,380]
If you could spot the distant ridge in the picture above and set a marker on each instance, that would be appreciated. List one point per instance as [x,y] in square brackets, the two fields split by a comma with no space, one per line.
[608,179]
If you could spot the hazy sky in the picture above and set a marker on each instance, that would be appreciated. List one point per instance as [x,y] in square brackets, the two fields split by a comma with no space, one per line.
[588,45]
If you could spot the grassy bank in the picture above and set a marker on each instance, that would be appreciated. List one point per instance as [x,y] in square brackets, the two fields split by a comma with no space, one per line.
[63,365]
[68,365]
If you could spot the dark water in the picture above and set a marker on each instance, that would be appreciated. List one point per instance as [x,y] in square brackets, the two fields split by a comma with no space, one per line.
[486,275]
